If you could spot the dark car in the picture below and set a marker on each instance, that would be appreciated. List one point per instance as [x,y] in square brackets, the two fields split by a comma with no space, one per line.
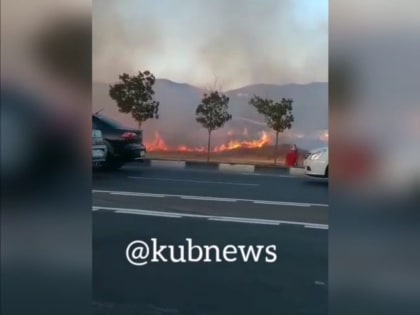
[124,144]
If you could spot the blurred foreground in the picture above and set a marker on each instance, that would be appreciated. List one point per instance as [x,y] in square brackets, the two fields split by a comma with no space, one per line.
[374,145]
[46,180]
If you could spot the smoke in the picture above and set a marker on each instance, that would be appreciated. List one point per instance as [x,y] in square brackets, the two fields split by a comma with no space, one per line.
[119,43]
[238,43]
[255,42]
[212,44]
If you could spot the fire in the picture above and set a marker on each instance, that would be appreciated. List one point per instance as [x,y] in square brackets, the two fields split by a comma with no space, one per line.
[234,144]
[159,144]
[184,148]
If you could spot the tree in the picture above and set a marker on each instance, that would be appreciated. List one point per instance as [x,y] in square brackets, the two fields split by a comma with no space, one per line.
[134,94]
[278,115]
[212,113]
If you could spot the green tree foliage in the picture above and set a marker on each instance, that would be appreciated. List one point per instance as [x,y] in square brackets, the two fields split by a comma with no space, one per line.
[134,94]
[278,115]
[212,113]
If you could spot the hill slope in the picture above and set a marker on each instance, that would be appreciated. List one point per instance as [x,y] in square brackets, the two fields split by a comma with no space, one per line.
[178,102]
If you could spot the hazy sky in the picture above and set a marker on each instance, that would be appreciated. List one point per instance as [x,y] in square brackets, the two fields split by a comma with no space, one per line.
[239,42]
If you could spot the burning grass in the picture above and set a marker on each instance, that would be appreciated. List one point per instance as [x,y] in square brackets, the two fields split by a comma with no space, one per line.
[259,151]
[158,144]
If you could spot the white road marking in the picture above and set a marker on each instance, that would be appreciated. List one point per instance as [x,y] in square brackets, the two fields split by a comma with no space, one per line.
[208,198]
[192,181]
[281,203]
[122,193]
[243,220]
[157,214]
[319,283]
[149,212]
[208,217]
[316,226]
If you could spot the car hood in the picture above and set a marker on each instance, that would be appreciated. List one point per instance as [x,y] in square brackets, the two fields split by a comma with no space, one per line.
[319,149]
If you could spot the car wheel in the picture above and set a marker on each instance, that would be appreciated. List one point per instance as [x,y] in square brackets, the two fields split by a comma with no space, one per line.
[326,172]
[112,163]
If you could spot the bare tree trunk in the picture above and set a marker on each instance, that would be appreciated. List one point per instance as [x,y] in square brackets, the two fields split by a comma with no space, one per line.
[139,124]
[208,147]
[276,148]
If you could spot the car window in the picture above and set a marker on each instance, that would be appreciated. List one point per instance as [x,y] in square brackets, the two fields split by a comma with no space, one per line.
[107,122]
[95,124]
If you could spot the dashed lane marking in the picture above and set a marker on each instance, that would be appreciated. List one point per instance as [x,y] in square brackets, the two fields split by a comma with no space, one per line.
[150,213]
[209,198]
[316,226]
[122,193]
[281,203]
[244,220]
[166,214]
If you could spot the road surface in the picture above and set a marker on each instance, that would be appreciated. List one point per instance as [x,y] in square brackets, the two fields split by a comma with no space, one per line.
[210,208]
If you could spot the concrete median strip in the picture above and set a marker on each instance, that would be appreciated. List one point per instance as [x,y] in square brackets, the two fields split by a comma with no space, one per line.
[297,171]
[237,168]
[227,167]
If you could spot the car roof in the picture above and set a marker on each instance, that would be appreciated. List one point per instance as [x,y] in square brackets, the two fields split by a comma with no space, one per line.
[109,121]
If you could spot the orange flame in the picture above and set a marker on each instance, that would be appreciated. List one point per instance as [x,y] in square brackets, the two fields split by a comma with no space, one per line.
[234,144]
[184,148]
[159,144]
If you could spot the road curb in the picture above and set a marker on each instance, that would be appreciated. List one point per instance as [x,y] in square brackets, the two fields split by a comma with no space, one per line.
[296,171]
[242,168]
[225,167]
[202,165]
[172,164]
[268,169]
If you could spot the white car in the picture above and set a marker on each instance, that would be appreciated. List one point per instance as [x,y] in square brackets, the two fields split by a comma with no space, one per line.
[99,149]
[316,164]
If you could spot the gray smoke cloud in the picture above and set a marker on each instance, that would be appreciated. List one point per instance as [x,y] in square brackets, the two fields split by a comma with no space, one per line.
[238,43]
[116,43]
[211,44]
[248,41]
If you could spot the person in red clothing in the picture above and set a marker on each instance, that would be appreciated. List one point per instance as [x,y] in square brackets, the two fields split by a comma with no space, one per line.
[292,157]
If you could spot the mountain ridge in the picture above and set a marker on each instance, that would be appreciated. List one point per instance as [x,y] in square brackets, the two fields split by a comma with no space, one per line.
[177,124]
[227,91]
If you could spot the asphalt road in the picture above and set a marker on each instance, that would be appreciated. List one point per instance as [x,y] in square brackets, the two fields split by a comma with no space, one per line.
[214,183]
[211,208]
